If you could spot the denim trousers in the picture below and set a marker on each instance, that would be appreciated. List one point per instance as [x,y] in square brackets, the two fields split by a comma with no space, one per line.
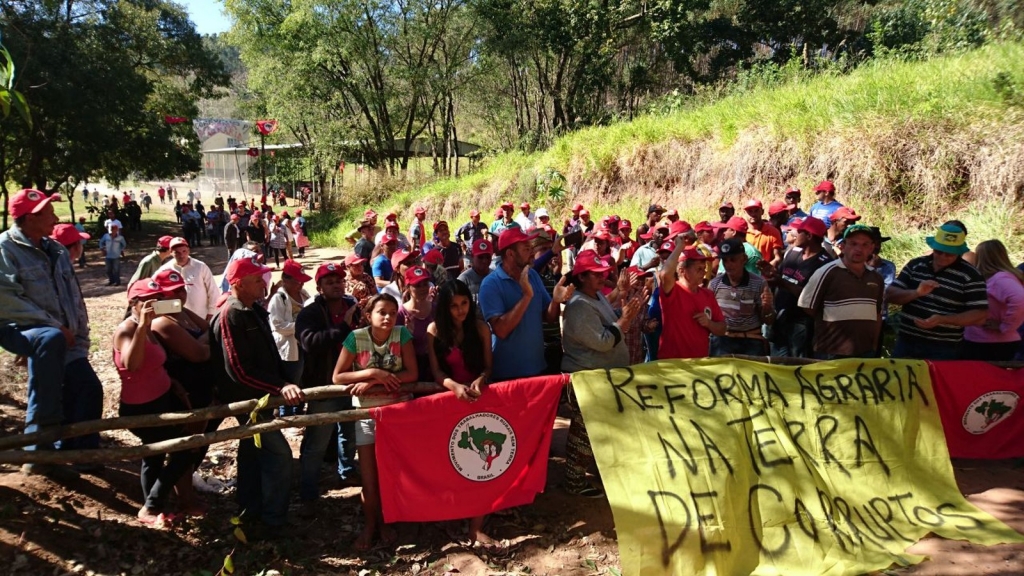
[58,392]
[113,270]
[314,445]
[726,345]
[264,475]
[919,349]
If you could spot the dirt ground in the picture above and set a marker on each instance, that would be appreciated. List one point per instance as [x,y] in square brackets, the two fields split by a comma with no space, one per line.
[88,525]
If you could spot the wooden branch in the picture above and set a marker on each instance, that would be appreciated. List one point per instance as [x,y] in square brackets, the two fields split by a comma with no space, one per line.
[153,420]
[176,444]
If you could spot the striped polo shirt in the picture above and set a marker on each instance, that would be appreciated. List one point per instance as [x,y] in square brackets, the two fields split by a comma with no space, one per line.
[846,309]
[961,288]
[740,304]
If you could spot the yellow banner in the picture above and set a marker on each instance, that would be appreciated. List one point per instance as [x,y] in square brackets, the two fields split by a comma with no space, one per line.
[729,467]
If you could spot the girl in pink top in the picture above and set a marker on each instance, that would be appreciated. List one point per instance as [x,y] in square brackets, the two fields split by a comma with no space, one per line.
[459,349]
[146,388]
[997,339]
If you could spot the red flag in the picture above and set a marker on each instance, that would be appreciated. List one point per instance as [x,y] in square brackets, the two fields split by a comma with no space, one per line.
[266,127]
[439,458]
[254,152]
[175,119]
[978,404]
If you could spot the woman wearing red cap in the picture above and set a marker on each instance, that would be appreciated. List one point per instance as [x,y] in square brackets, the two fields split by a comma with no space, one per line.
[592,338]
[416,314]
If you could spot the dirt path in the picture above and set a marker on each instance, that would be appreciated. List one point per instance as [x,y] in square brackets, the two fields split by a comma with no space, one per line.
[88,526]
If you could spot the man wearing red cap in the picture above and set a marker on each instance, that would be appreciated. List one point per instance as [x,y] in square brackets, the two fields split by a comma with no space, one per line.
[358,283]
[842,219]
[737,227]
[417,232]
[525,218]
[203,291]
[502,224]
[321,328]
[381,267]
[284,307]
[826,202]
[150,265]
[242,342]
[725,212]
[762,235]
[481,266]
[792,334]
[692,312]
[71,238]
[515,304]
[45,320]
[469,233]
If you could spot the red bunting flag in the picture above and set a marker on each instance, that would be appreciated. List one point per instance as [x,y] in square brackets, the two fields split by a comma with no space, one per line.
[175,119]
[979,407]
[440,458]
[266,127]
[254,152]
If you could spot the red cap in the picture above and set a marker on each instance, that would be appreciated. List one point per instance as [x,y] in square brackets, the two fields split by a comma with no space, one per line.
[369,213]
[177,241]
[738,224]
[353,259]
[692,254]
[421,210]
[482,246]
[29,201]
[512,236]
[524,205]
[170,280]
[438,224]
[433,257]
[672,214]
[329,268]
[777,207]
[825,186]
[474,213]
[791,190]
[753,203]
[68,235]
[391,223]
[588,261]
[602,234]
[508,205]
[243,268]
[577,207]
[144,288]
[391,216]
[725,204]
[625,225]
[499,213]
[703,226]
[638,272]
[389,237]
[401,256]
[667,246]
[416,275]
[812,226]
[845,213]
[678,227]
[234,216]
[294,269]
[584,212]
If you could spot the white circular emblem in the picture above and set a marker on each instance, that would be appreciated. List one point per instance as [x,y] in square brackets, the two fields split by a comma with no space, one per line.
[331,267]
[33,196]
[988,410]
[482,446]
[725,248]
[481,246]
[418,272]
[707,312]
[173,277]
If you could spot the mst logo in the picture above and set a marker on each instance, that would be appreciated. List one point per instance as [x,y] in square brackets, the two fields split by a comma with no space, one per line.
[988,410]
[482,446]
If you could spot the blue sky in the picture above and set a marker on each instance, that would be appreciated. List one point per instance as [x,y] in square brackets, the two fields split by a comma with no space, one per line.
[208,15]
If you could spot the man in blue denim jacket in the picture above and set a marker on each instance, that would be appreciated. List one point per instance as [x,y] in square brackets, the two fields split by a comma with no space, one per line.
[43,317]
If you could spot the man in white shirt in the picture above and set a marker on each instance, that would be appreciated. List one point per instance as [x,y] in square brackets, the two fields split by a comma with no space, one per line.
[525,218]
[112,221]
[202,290]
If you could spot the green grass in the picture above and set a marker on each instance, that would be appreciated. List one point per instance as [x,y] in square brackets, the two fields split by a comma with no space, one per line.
[981,91]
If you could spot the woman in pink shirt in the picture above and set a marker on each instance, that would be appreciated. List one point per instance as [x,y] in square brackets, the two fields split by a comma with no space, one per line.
[997,338]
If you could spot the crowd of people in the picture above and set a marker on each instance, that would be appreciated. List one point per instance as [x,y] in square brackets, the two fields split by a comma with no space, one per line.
[522,297]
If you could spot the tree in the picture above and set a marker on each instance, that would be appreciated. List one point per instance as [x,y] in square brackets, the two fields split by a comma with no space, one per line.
[99,76]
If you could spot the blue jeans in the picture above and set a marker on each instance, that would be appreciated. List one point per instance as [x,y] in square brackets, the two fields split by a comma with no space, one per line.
[46,349]
[918,349]
[113,270]
[651,345]
[314,444]
[264,476]
[726,345]
[82,401]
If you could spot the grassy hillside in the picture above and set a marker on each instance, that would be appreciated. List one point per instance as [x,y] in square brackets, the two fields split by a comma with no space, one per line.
[909,144]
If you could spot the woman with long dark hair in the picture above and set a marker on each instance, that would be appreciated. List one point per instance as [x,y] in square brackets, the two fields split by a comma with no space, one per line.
[459,349]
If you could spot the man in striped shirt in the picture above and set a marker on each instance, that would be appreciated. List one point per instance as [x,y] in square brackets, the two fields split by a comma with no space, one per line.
[845,299]
[940,294]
